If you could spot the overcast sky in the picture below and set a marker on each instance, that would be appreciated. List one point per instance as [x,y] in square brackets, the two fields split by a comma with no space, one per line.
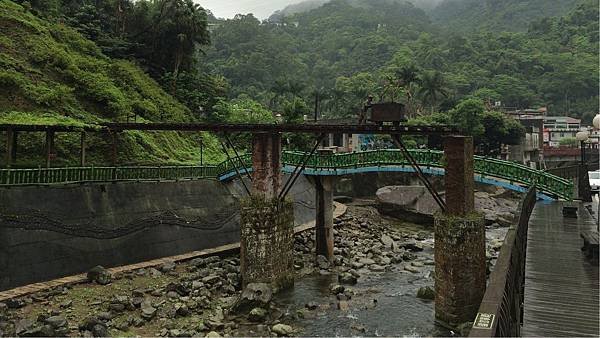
[262,9]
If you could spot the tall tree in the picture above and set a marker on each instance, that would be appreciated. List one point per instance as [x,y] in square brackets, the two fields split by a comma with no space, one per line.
[432,88]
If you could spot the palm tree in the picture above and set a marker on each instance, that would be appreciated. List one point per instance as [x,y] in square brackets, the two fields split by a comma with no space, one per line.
[432,88]
[407,78]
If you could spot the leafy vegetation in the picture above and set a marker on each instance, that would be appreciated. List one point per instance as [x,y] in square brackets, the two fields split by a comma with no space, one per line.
[334,55]
[79,62]
[51,74]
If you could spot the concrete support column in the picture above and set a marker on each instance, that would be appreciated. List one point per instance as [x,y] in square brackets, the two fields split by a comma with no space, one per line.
[266,164]
[267,224]
[49,147]
[460,198]
[324,219]
[460,265]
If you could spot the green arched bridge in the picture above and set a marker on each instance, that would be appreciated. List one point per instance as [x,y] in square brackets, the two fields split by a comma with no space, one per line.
[506,174]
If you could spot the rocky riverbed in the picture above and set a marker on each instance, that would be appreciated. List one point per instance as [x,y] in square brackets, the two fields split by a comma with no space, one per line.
[381,265]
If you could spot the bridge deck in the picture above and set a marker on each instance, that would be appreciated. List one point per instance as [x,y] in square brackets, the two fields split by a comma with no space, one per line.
[561,285]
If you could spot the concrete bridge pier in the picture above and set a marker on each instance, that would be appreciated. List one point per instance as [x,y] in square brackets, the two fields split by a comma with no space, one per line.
[324,219]
[460,262]
[266,222]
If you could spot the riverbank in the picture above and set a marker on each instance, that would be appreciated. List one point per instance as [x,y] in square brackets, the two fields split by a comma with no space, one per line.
[380,265]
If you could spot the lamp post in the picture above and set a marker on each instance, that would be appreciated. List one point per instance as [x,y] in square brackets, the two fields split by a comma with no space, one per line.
[582,136]
[596,124]
[585,193]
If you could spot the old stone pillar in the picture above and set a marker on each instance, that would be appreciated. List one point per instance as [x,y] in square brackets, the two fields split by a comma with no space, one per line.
[266,164]
[324,219]
[460,265]
[267,223]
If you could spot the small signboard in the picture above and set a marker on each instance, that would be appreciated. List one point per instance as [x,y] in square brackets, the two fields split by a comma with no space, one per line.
[484,321]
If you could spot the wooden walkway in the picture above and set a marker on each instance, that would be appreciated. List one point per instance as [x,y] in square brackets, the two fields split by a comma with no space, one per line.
[561,285]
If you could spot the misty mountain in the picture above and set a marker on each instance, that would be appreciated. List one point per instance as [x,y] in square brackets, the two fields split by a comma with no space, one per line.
[466,16]
[309,5]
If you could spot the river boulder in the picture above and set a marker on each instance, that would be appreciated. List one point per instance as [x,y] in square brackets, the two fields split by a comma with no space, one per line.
[409,203]
[416,205]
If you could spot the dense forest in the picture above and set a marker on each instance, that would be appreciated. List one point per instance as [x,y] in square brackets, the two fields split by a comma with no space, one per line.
[82,61]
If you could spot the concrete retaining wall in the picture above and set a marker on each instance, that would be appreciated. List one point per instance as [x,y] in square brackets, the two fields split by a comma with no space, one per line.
[51,232]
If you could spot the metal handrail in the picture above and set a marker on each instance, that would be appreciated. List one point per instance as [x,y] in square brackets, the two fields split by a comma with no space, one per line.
[502,304]
[486,167]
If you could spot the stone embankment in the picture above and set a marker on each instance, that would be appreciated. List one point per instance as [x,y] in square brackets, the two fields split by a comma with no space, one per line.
[203,297]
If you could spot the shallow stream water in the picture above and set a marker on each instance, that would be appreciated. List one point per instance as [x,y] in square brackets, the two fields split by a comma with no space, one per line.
[384,304]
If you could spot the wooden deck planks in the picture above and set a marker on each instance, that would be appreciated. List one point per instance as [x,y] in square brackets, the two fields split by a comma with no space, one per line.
[561,285]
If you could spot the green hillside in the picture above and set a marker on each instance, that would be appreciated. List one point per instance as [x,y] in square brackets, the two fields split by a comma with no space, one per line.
[345,50]
[470,16]
[49,73]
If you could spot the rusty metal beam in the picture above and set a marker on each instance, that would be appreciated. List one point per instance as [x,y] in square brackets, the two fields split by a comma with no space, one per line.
[438,199]
[236,168]
[290,182]
[282,128]
[255,128]
[238,157]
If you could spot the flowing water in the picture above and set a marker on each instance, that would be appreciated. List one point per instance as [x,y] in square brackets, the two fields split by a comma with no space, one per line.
[383,304]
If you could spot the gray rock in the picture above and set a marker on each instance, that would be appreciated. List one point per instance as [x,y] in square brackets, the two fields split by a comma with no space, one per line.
[410,203]
[426,292]
[412,269]
[96,327]
[99,275]
[366,261]
[168,266]
[23,325]
[377,268]
[322,262]
[56,322]
[282,329]
[337,289]
[212,334]
[254,295]
[387,241]
[212,279]
[182,289]
[347,278]
[257,314]
[148,311]
[154,273]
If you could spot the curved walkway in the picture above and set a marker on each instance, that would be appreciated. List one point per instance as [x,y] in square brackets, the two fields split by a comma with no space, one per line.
[510,175]
[506,174]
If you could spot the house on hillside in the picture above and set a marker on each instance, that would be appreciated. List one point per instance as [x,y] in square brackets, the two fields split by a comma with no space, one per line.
[530,150]
[557,128]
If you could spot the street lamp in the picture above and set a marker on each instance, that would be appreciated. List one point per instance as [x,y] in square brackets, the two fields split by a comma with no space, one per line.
[596,122]
[582,136]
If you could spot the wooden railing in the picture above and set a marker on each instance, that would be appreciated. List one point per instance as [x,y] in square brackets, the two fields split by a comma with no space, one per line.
[500,313]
